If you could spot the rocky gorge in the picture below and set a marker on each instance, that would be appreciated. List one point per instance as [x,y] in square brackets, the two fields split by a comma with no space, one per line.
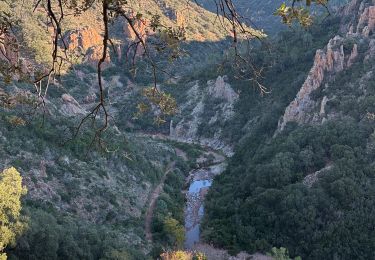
[230,172]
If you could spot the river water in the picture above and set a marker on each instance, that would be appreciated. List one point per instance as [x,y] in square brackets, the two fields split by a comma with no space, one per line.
[192,218]
[201,181]
[196,186]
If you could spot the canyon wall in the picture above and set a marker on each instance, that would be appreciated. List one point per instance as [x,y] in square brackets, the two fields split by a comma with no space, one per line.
[332,60]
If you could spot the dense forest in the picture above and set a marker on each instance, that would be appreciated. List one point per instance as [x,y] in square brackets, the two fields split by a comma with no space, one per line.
[309,187]
[150,101]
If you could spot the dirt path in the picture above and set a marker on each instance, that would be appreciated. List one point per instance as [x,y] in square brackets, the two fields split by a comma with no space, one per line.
[154,197]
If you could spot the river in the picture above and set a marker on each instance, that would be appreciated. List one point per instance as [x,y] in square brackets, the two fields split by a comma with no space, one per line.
[200,181]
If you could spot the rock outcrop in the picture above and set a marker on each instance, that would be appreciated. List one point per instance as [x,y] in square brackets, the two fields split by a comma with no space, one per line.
[86,41]
[363,23]
[310,179]
[366,23]
[141,26]
[332,60]
[220,89]
[353,55]
[70,106]
[195,111]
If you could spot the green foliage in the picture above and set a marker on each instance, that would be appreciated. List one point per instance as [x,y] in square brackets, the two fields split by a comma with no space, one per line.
[268,177]
[167,225]
[175,231]
[272,206]
[11,224]
[183,255]
[52,235]
[298,11]
[287,62]
[111,185]
[164,102]
[308,188]
[281,254]
[268,21]
[200,256]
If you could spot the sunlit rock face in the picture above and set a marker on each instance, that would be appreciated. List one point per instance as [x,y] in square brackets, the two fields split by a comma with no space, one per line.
[86,41]
[363,22]
[366,23]
[139,30]
[328,63]
[220,89]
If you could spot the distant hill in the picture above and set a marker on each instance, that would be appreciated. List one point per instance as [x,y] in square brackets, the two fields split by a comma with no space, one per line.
[260,14]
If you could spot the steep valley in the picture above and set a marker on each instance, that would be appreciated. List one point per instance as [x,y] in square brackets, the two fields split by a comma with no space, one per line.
[232,173]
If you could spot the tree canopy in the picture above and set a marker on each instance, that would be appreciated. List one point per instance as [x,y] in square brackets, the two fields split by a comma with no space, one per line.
[11,224]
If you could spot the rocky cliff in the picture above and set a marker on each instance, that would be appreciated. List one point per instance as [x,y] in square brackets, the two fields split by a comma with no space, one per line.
[338,56]
[86,42]
[326,61]
[83,33]
[206,106]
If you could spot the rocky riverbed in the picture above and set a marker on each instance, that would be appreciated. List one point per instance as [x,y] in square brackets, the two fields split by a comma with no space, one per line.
[200,180]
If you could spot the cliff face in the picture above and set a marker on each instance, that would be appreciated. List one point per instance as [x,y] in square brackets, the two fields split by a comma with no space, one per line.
[332,60]
[366,22]
[86,41]
[326,62]
[142,28]
[83,33]
[207,106]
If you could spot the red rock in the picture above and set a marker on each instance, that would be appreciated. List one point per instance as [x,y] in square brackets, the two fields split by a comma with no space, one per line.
[142,27]
[88,42]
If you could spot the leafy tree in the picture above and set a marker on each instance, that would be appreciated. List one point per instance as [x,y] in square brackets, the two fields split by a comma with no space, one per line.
[175,230]
[11,224]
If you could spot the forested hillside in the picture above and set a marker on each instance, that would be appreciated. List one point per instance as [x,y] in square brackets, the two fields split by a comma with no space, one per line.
[261,14]
[305,182]
[112,119]
[82,203]
[88,200]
